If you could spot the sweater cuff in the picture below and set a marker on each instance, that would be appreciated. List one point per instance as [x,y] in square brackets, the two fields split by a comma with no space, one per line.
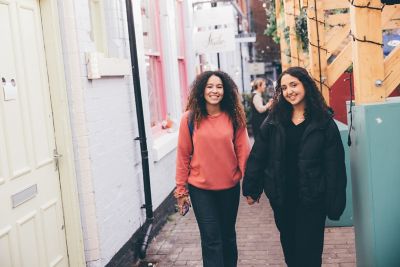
[181,191]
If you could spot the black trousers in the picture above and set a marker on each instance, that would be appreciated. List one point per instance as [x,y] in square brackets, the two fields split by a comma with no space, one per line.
[216,213]
[301,230]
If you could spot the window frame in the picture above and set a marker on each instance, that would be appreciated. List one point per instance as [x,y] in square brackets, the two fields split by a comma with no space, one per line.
[182,67]
[155,69]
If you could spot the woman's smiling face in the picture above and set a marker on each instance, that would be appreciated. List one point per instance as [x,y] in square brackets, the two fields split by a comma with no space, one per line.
[293,90]
[214,91]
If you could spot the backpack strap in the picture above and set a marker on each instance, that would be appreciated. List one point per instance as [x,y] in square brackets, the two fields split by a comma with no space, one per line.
[191,123]
[191,127]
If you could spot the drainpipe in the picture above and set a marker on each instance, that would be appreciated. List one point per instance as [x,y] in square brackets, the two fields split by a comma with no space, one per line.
[142,131]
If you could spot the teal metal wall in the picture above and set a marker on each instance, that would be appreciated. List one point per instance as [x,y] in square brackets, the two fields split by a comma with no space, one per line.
[375,172]
[347,217]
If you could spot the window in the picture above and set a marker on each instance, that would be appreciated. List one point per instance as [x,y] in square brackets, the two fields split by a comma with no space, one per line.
[99,62]
[154,64]
[98,33]
[180,34]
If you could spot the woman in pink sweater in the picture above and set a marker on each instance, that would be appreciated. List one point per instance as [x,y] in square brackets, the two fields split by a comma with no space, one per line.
[213,147]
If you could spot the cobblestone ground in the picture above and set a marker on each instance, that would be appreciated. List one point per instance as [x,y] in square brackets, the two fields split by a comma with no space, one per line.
[178,243]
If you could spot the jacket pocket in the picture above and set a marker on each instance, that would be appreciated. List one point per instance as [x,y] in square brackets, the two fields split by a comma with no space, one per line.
[312,186]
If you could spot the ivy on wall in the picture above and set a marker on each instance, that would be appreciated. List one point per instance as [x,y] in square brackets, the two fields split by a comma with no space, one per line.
[286,34]
[271,29]
[272,26]
[301,29]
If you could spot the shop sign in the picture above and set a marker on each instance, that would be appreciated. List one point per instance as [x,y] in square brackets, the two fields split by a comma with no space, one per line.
[215,41]
[256,68]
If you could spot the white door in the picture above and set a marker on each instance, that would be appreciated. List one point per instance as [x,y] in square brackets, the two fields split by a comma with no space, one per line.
[31,218]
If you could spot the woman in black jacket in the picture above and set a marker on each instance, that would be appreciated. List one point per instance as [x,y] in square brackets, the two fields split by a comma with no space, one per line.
[298,161]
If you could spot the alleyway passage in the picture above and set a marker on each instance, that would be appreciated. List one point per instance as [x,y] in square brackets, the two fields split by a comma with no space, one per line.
[178,243]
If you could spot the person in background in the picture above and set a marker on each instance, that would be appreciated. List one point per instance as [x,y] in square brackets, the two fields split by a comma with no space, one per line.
[298,161]
[259,109]
[213,146]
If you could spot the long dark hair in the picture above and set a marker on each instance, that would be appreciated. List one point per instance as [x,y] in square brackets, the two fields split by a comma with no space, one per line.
[230,103]
[316,107]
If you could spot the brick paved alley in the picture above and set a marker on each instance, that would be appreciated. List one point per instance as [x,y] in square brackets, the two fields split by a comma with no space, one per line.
[178,243]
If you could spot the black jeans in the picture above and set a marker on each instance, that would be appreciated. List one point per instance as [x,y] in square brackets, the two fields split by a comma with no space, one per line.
[216,213]
[301,230]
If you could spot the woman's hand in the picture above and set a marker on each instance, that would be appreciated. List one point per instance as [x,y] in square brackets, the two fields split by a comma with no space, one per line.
[269,103]
[183,204]
[251,201]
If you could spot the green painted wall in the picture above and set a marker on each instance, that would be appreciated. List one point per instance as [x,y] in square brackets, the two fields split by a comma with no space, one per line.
[347,217]
[375,172]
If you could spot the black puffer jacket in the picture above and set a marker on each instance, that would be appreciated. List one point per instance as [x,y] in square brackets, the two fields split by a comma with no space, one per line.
[322,173]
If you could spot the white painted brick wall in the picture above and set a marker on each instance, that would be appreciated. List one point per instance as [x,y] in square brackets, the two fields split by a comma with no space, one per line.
[104,126]
[163,178]
[111,133]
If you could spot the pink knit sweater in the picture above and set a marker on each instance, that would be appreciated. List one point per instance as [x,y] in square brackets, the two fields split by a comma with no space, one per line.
[218,160]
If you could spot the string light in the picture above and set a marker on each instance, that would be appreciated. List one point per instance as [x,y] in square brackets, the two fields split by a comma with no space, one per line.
[367,6]
[319,47]
[297,58]
[364,40]
[323,83]
[327,24]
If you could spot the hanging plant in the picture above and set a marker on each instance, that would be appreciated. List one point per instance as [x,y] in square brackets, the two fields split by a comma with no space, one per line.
[286,35]
[271,27]
[301,29]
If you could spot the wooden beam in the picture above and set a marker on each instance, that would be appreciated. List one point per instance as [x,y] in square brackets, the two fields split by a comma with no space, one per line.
[339,65]
[305,59]
[316,36]
[338,19]
[391,17]
[392,71]
[290,12]
[388,12]
[303,3]
[392,24]
[334,4]
[329,34]
[368,68]
[303,55]
[280,25]
[337,38]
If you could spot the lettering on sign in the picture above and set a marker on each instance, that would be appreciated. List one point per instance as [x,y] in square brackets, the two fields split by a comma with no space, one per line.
[215,41]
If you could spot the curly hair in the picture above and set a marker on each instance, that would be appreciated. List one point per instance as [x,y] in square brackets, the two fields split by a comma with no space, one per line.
[230,103]
[316,107]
